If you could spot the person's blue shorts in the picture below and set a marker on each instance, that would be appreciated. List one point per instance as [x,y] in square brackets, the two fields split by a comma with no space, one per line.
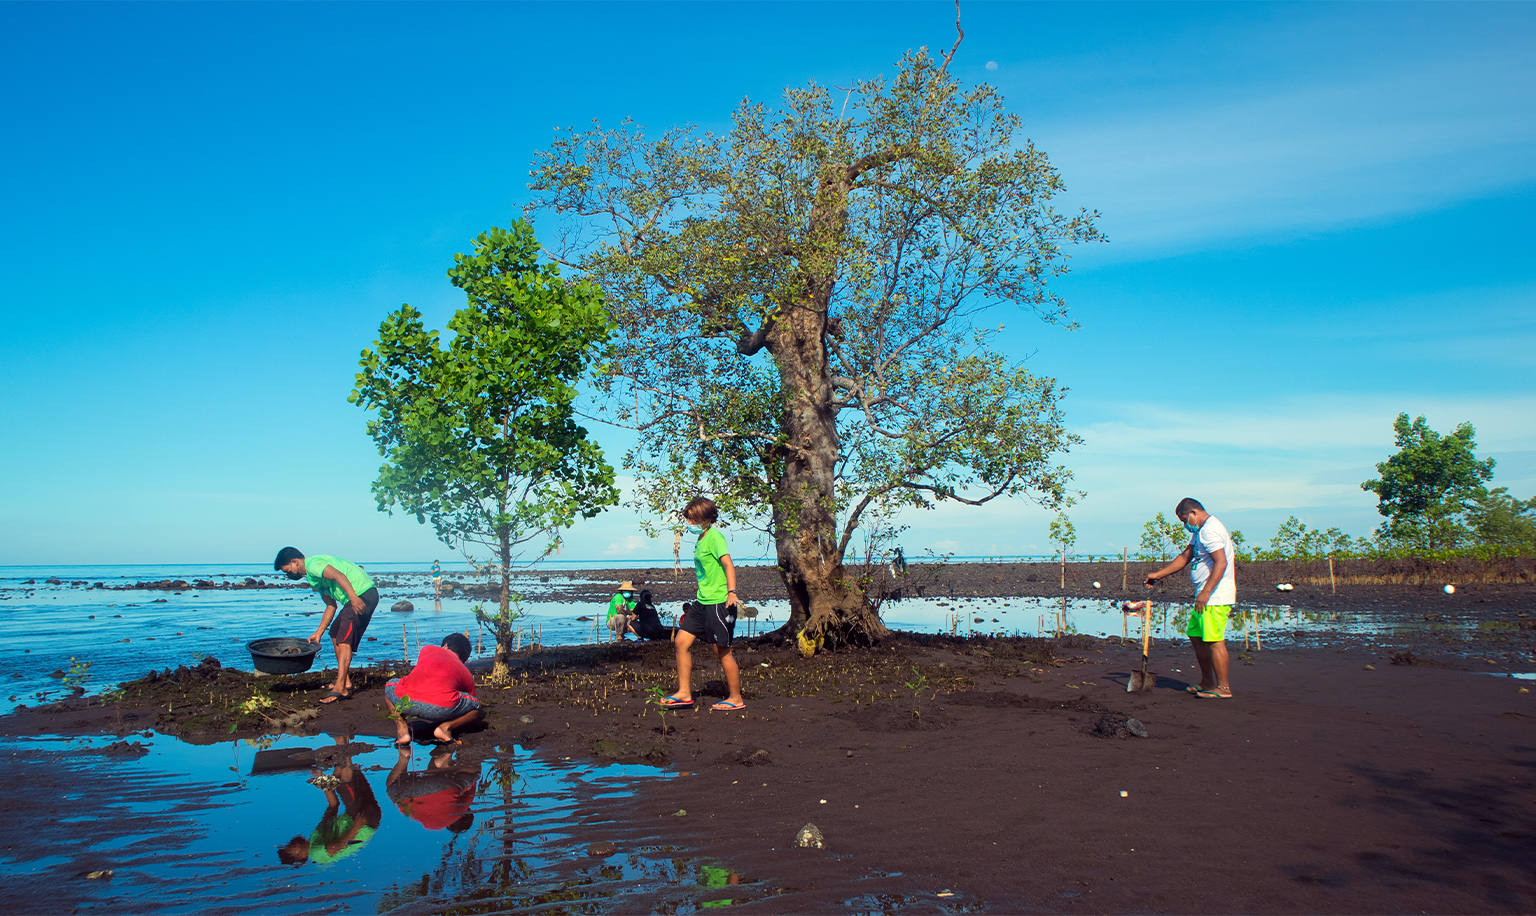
[430,711]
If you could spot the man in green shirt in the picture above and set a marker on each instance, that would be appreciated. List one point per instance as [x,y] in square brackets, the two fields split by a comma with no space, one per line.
[621,610]
[339,583]
[713,616]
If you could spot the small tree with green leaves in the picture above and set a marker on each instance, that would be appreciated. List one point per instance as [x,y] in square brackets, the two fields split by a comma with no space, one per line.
[1161,538]
[1427,490]
[1062,532]
[478,434]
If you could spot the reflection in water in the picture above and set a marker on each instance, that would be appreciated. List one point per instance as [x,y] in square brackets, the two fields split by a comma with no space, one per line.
[352,815]
[438,797]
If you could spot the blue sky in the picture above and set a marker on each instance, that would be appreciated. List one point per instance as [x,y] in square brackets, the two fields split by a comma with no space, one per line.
[1318,217]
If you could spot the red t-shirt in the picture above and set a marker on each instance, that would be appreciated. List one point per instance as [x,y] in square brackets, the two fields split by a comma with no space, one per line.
[439,678]
[439,809]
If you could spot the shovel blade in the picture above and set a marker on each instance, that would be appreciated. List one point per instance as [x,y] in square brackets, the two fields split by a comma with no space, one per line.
[1140,682]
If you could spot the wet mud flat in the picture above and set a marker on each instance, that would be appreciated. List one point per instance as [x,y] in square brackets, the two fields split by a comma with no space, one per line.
[985,775]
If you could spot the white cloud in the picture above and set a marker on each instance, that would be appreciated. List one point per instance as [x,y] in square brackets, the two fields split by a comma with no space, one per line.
[1312,158]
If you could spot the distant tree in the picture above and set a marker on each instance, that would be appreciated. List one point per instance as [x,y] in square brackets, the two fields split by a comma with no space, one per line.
[1063,533]
[1295,541]
[1161,538]
[806,305]
[1427,489]
[1504,522]
[478,435]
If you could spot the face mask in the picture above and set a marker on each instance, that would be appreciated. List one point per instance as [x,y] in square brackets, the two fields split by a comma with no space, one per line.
[293,575]
[695,529]
[1190,528]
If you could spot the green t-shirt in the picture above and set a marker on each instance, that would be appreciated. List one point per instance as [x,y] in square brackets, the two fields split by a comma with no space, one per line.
[314,567]
[620,604]
[330,833]
[708,568]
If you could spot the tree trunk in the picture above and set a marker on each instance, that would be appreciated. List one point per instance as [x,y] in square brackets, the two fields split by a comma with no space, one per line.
[501,670]
[822,599]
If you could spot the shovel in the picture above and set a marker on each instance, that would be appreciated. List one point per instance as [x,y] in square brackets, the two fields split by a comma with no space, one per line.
[1141,681]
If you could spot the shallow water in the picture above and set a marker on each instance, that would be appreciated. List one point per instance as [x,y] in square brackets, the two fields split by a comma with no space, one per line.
[192,829]
[123,634]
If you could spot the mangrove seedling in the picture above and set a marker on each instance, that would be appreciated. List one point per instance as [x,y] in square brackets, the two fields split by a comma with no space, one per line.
[917,685]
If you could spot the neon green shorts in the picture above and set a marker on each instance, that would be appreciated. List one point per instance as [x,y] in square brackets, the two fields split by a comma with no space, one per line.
[1211,625]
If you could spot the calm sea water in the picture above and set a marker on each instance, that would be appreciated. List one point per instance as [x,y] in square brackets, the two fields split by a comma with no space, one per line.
[121,634]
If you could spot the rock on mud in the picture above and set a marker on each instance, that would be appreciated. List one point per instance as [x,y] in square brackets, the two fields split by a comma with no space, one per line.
[810,837]
[401,607]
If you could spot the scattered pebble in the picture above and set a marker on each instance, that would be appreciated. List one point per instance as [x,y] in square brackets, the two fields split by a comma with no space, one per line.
[822,802]
[1124,794]
[602,849]
[1370,667]
[1097,585]
[1450,589]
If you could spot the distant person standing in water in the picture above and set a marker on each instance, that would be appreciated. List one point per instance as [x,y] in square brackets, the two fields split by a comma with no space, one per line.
[712,617]
[1211,561]
[339,583]
[437,580]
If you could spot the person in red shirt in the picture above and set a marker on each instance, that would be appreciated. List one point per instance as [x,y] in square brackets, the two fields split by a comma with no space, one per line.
[439,689]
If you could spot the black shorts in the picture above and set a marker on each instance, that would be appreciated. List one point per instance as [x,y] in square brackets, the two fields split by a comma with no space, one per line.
[349,625]
[713,623]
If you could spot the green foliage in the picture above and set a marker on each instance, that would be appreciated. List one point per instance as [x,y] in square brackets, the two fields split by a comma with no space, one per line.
[808,303]
[478,435]
[1504,523]
[917,685]
[1062,532]
[1428,488]
[1293,540]
[1161,539]
[656,698]
[79,672]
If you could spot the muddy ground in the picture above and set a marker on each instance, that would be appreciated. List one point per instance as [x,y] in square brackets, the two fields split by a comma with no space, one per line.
[993,769]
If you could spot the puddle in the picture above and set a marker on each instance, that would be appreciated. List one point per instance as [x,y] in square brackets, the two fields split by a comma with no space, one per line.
[211,829]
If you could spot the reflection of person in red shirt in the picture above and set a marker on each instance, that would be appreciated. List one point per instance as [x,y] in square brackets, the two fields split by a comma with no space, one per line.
[436,797]
[439,689]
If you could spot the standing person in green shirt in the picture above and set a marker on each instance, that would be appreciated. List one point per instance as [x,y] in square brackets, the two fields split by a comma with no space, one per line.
[713,616]
[339,583]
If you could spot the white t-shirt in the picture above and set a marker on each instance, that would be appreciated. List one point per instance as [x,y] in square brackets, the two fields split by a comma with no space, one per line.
[1212,537]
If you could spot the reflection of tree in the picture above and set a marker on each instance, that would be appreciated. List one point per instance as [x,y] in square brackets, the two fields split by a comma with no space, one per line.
[464,873]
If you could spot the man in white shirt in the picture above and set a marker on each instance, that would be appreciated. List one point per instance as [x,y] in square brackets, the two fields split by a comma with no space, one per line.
[1211,561]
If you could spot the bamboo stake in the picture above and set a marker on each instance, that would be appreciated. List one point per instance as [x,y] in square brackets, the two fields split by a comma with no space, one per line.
[1124,567]
[1063,565]
[405,642]
[1331,584]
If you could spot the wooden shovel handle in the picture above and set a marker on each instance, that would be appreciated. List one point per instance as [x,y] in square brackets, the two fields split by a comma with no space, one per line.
[1146,629]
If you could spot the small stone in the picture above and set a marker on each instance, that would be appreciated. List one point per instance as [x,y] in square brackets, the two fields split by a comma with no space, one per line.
[526,720]
[56,674]
[602,849]
[1370,667]
[402,607]
[1124,794]
[97,875]
[810,837]
[1135,727]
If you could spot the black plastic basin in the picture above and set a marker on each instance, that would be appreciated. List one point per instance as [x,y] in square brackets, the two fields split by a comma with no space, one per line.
[276,655]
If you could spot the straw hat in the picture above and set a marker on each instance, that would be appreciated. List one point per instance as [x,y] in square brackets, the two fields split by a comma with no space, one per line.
[627,586]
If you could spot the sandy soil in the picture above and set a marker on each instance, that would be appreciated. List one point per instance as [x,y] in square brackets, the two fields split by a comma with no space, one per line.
[1335,780]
